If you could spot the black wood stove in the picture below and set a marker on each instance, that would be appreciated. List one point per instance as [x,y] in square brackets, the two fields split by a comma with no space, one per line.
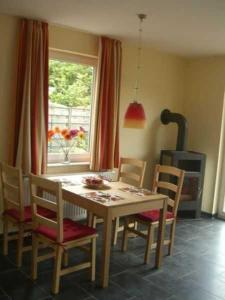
[192,162]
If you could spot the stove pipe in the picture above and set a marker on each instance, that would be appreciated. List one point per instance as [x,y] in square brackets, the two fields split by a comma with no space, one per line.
[169,117]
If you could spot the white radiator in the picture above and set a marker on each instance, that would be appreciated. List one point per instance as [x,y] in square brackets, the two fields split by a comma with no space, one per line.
[70,210]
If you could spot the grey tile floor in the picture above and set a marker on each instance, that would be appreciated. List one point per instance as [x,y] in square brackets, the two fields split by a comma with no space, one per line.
[196,271]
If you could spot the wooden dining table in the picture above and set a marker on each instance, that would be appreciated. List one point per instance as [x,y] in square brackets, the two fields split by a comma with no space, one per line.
[118,203]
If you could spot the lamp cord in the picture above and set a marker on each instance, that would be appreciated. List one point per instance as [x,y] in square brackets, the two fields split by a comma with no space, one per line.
[139,50]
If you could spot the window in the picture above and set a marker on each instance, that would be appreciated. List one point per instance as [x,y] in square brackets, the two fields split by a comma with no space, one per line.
[71,90]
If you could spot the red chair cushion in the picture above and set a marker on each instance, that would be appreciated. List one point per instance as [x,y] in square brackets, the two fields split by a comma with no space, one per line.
[153,215]
[71,231]
[14,213]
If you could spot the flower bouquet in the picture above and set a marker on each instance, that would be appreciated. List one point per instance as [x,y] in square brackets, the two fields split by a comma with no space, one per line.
[66,139]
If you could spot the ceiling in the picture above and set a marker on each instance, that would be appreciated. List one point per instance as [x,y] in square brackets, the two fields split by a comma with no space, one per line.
[184,27]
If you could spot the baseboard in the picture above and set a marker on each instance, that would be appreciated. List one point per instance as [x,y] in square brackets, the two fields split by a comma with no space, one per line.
[205,214]
[190,215]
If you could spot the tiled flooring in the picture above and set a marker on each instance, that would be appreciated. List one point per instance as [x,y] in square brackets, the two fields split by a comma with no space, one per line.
[196,271]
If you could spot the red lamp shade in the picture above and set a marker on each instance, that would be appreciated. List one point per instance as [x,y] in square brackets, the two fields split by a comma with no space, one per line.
[135,116]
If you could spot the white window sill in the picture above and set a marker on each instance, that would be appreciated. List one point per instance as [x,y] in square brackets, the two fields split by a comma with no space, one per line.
[73,167]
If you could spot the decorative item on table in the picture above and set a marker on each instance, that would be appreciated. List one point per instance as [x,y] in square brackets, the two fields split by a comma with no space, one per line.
[67,139]
[66,182]
[111,197]
[137,191]
[93,182]
[102,197]
[94,196]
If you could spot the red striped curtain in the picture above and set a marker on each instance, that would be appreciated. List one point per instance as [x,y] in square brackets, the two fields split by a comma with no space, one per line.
[105,144]
[31,119]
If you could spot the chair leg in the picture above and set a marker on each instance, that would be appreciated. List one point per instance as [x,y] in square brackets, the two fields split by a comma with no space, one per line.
[93,259]
[34,256]
[150,239]
[89,218]
[125,235]
[94,221]
[172,237]
[116,227]
[57,269]
[20,245]
[65,258]
[5,236]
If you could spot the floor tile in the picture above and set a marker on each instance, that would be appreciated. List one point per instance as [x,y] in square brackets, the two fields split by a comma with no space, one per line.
[2,293]
[112,292]
[211,284]
[6,264]
[4,297]
[189,290]
[136,286]
[196,270]
[68,288]
[17,286]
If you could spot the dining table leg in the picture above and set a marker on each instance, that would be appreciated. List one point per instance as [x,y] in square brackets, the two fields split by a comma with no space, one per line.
[161,233]
[90,218]
[107,233]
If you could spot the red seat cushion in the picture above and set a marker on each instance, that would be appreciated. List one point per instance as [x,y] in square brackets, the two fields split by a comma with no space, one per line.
[71,231]
[153,215]
[12,212]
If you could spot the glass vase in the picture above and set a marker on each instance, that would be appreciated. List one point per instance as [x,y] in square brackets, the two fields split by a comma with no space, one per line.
[66,158]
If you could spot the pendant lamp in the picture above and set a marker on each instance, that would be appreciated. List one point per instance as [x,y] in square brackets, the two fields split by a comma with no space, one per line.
[135,114]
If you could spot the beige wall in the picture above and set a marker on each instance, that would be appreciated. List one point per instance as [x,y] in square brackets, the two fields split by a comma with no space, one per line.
[8,58]
[203,106]
[64,38]
[161,86]
[193,87]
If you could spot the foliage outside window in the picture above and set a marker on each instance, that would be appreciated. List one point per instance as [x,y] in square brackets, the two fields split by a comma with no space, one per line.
[70,102]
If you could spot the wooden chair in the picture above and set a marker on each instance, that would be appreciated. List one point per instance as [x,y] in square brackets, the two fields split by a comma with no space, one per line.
[15,213]
[167,180]
[131,171]
[60,234]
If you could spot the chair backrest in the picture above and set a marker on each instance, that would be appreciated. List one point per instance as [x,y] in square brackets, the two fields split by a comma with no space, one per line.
[170,182]
[132,171]
[12,188]
[39,185]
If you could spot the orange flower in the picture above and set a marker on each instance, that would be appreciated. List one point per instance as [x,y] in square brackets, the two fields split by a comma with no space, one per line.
[67,137]
[50,134]
[64,132]
[57,130]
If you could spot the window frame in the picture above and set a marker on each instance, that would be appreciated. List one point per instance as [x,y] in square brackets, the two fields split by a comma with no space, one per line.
[67,56]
